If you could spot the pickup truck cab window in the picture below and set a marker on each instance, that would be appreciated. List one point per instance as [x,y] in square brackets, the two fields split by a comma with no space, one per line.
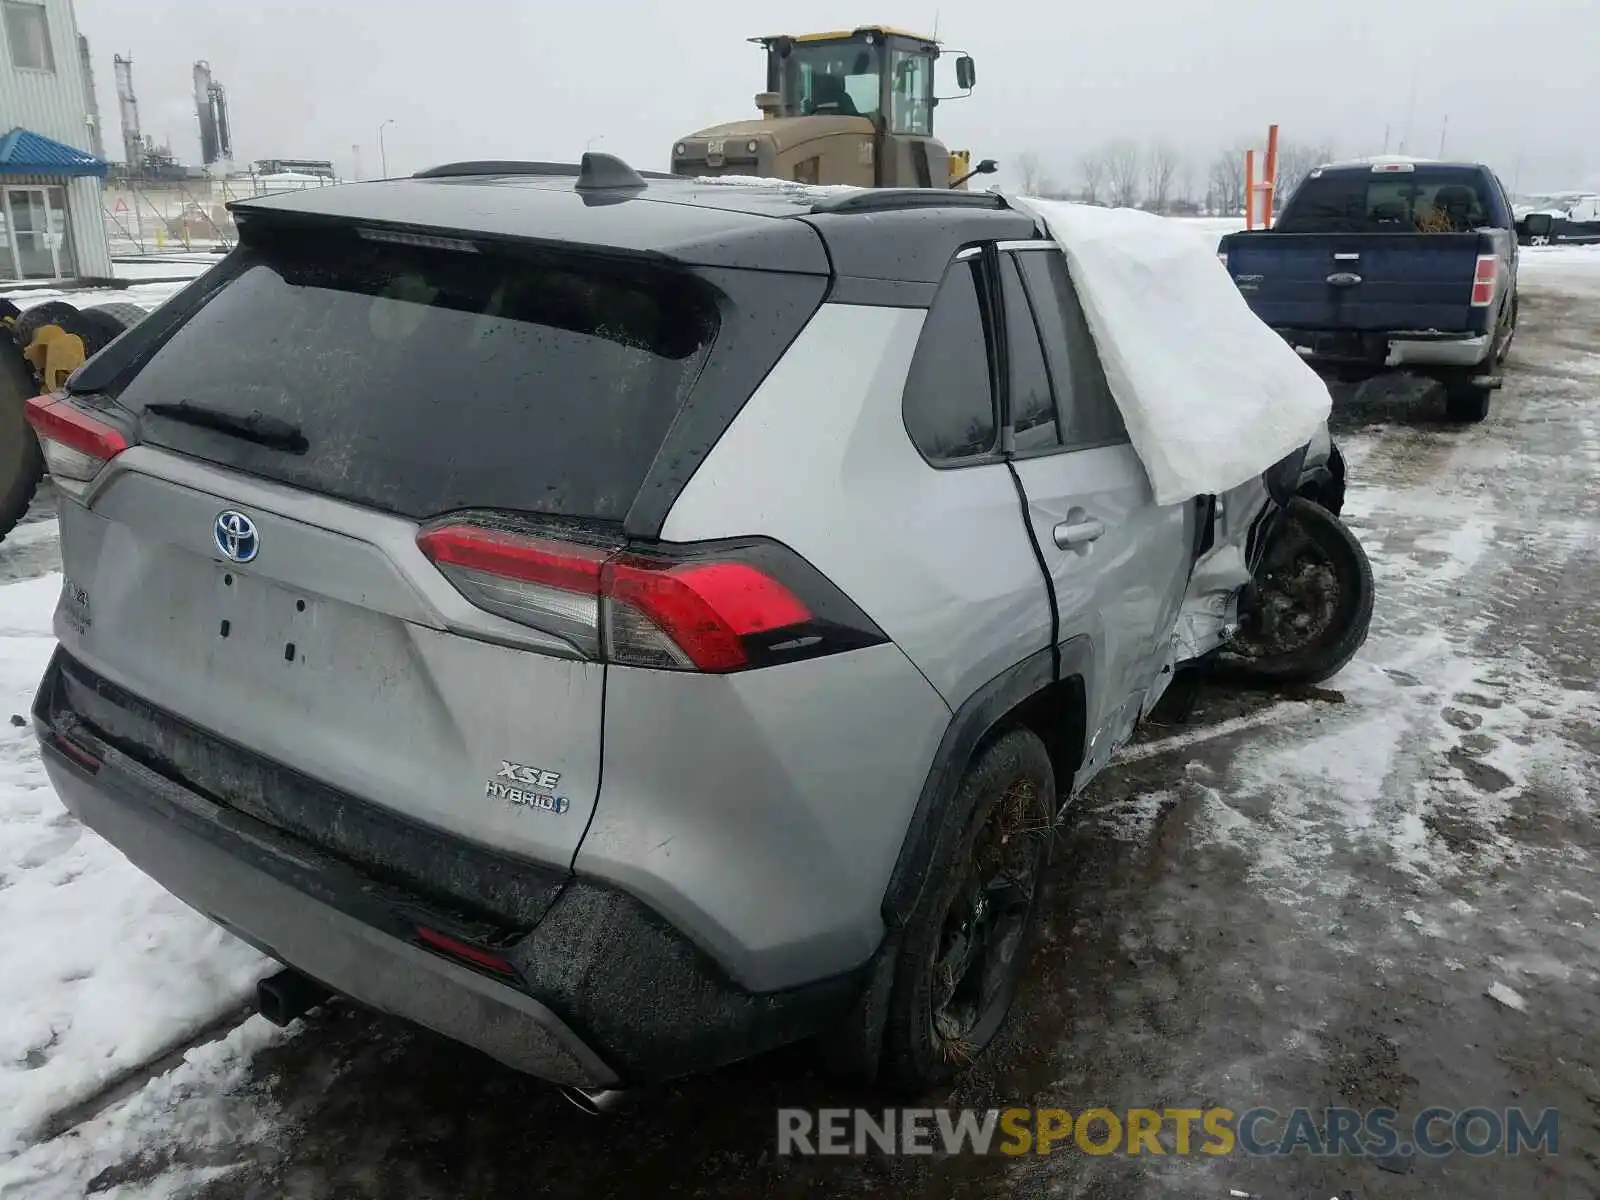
[1438,200]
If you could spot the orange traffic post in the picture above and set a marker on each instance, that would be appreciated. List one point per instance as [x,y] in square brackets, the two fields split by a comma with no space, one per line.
[1249,189]
[1269,181]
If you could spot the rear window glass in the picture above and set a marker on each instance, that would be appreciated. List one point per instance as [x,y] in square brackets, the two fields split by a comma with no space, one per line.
[1402,202]
[424,380]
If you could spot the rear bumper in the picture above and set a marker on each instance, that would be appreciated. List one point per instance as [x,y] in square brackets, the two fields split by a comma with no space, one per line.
[1438,352]
[247,893]
[603,992]
[1380,351]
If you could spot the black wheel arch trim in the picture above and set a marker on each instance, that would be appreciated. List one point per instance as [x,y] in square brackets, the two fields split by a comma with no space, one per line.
[978,716]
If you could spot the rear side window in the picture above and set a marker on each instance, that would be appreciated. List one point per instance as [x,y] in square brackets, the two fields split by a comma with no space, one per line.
[424,380]
[949,401]
[1421,201]
[1032,409]
[1089,415]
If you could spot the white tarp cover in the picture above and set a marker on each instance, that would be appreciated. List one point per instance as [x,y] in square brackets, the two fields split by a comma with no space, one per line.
[1211,396]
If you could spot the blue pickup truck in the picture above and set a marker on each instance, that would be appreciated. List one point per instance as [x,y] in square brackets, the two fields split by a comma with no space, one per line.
[1390,265]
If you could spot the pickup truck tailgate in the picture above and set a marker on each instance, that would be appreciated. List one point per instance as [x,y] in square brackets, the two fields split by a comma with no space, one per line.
[1359,282]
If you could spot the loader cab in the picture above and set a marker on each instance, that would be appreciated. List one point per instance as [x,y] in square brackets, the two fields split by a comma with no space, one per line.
[850,107]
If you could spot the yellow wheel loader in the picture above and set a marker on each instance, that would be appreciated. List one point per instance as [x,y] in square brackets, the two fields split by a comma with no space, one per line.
[39,349]
[849,107]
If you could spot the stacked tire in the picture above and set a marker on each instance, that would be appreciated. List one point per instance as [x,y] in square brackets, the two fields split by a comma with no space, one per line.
[21,463]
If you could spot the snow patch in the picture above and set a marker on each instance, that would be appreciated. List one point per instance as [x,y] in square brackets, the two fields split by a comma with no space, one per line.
[198,1110]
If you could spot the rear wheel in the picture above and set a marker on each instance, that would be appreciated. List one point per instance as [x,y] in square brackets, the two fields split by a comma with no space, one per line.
[963,951]
[1466,403]
[1510,334]
[21,463]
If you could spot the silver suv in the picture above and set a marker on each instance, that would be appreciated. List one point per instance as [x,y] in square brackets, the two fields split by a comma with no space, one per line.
[623,624]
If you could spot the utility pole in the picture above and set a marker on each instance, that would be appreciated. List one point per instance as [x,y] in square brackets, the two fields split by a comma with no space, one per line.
[1443,126]
[383,155]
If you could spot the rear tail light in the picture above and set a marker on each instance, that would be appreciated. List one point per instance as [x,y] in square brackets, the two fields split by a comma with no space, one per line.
[1484,280]
[76,446]
[465,952]
[715,607]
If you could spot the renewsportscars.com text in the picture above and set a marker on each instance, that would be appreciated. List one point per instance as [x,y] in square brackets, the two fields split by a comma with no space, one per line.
[1334,1132]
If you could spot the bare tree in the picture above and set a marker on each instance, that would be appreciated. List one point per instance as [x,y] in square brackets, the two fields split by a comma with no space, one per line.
[1031,175]
[1227,179]
[1186,181]
[1093,170]
[1160,165]
[1122,171]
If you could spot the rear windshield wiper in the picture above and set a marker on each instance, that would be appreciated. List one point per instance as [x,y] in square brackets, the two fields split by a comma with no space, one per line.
[272,432]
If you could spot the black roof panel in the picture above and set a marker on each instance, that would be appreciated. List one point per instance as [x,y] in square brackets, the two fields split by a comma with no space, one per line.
[757,224]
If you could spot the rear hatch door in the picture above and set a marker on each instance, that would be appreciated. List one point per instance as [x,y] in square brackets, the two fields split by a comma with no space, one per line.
[253,564]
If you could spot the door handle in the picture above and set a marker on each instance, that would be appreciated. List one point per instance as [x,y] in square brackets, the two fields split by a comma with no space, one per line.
[1075,535]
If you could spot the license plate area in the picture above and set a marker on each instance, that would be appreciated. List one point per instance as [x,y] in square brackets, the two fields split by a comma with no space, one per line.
[257,623]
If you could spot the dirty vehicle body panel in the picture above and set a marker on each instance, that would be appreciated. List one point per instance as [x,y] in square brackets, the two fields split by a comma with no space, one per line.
[501,712]
[1349,276]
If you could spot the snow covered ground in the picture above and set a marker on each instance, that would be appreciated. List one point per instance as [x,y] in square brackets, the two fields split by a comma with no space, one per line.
[1399,845]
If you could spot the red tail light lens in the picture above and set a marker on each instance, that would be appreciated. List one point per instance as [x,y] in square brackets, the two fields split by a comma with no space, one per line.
[550,585]
[488,960]
[1484,280]
[76,446]
[714,608]
[703,612]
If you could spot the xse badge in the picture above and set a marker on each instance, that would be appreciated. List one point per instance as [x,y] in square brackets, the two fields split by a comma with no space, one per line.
[527,787]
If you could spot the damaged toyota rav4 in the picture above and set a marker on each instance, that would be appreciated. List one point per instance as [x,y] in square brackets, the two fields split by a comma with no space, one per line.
[627,624]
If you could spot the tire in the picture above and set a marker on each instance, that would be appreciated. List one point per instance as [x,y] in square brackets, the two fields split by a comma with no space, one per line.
[97,329]
[1511,334]
[1001,819]
[51,312]
[21,462]
[1315,597]
[124,313]
[1466,404]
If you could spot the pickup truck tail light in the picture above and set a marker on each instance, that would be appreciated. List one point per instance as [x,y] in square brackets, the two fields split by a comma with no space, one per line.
[76,447]
[1484,280]
[707,607]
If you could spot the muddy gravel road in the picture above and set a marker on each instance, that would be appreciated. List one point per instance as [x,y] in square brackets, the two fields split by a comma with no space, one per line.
[1272,901]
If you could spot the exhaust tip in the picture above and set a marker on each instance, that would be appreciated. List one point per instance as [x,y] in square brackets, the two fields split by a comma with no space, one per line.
[594,1101]
[287,996]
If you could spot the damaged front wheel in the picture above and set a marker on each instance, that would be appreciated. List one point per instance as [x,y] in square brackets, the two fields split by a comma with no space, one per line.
[1312,606]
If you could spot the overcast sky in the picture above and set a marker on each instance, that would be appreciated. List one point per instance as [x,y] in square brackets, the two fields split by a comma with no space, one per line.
[1518,82]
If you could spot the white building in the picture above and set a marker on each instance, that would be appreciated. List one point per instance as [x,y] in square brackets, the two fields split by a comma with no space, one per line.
[50,219]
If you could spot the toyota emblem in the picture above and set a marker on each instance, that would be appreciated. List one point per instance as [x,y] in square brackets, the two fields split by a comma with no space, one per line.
[236,536]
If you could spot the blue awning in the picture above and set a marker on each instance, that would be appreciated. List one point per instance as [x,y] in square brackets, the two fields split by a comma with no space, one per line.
[23,152]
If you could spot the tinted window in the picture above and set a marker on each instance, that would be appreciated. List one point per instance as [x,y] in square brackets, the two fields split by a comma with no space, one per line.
[1441,200]
[425,380]
[1088,414]
[949,397]
[1033,412]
